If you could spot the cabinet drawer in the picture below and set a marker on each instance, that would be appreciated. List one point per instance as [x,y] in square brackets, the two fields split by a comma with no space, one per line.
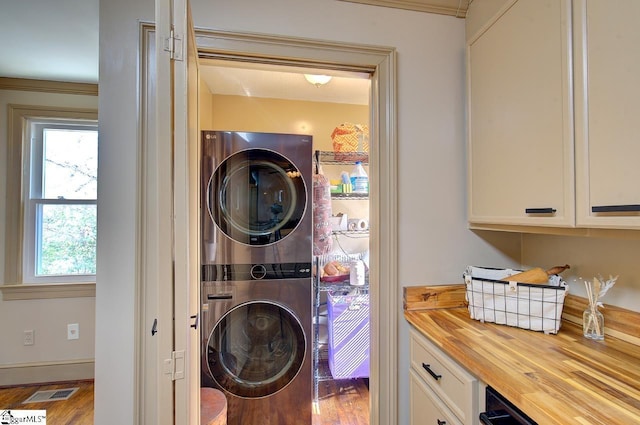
[425,407]
[454,385]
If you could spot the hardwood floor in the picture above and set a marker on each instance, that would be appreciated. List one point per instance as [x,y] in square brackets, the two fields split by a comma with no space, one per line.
[344,402]
[77,410]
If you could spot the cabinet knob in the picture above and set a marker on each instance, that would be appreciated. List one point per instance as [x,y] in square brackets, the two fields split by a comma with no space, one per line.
[431,372]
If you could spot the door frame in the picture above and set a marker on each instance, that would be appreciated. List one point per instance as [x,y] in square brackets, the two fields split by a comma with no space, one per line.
[380,61]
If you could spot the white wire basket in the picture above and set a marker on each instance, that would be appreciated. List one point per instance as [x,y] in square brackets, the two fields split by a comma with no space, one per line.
[524,305]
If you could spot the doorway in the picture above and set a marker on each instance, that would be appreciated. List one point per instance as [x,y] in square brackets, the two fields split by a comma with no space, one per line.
[380,62]
[280,99]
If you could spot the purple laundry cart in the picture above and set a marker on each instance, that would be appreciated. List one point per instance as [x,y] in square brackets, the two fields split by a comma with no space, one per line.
[348,326]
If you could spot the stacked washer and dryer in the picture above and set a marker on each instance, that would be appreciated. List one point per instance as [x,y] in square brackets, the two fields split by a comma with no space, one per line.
[256,275]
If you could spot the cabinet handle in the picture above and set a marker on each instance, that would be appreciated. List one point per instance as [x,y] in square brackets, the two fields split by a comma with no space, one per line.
[432,373]
[615,208]
[540,210]
[441,422]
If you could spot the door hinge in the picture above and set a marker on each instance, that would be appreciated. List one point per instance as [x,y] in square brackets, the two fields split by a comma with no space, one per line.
[173,45]
[174,366]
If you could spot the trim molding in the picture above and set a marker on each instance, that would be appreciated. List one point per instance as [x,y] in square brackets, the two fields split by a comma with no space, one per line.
[48,86]
[40,372]
[380,61]
[39,291]
[457,8]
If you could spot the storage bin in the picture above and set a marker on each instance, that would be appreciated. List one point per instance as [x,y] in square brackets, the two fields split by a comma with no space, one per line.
[523,305]
[348,327]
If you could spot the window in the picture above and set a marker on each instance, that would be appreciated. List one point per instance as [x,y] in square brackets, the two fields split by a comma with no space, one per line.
[60,201]
[50,215]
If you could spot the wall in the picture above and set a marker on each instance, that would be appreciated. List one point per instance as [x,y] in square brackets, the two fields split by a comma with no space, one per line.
[52,354]
[317,119]
[434,242]
[590,257]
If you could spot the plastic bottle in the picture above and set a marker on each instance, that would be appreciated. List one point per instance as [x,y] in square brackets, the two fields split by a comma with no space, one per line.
[359,179]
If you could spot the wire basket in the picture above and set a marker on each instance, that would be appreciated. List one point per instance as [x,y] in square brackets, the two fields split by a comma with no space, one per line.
[523,305]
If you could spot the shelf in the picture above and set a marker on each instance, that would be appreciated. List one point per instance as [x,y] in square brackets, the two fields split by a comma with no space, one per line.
[328,157]
[350,232]
[350,195]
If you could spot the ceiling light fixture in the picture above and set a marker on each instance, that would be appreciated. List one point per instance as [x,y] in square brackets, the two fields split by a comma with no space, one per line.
[317,80]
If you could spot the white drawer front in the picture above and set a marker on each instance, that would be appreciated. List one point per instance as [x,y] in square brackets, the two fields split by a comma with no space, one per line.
[425,407]
[454,385]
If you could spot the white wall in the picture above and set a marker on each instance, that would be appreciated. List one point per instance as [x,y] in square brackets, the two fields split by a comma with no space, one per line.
[48,318]
[435,244]
[118,158]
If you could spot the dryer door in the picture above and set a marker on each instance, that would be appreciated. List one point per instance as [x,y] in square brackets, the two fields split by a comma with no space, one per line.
[256,349]
[256,197]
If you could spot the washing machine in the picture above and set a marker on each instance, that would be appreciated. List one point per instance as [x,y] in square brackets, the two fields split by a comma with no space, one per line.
[256,345]
[256,253]
[255,200]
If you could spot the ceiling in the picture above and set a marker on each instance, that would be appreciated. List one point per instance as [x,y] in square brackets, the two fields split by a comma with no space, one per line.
[58,41]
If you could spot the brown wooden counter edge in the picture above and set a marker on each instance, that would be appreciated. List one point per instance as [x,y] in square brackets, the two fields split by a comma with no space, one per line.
[619,322]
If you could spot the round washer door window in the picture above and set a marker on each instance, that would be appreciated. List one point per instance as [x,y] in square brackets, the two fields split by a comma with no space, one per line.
[256,349]
[256,197]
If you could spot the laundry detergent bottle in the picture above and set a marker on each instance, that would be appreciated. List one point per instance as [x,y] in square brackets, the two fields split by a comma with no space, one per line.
[359,179]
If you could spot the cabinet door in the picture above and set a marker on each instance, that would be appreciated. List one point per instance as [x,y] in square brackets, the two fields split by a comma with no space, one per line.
[520,149]
[607,67]
[424,405]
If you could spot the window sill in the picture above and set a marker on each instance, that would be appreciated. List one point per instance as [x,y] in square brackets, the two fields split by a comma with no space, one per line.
[42,291]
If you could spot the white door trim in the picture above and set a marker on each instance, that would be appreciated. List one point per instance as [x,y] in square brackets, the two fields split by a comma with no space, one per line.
[383,177]
[384,292]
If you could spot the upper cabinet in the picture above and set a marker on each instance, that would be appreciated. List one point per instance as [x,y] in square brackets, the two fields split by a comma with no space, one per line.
[607,67]
[548,78]
[520,151]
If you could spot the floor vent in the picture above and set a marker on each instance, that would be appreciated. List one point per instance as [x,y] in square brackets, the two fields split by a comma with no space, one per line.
[51,395]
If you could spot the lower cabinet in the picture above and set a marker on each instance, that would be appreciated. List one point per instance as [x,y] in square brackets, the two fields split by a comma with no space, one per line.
[425,406]
[442,392]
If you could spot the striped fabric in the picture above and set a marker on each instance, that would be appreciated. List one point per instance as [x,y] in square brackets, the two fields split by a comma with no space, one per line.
[348,335]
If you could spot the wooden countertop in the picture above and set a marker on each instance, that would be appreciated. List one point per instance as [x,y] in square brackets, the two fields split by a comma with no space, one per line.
[555,379]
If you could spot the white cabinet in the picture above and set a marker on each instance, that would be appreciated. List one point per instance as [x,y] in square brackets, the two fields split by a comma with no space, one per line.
[424,405]
[607,67]
[548,78]
[520,151]
[441,391]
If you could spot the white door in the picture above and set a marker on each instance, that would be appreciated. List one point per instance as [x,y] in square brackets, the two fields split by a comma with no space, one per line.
[177,132]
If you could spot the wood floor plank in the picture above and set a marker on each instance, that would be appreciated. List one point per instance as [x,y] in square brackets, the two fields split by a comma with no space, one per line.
[342,402]
[77,410]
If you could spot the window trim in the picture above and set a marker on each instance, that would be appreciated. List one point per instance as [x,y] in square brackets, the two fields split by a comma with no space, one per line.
[14,224]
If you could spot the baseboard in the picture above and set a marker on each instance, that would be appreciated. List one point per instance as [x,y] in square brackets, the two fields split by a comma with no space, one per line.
[32,373]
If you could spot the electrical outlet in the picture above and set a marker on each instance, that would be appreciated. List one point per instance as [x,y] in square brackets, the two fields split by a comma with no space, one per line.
[29,337]
[73,331]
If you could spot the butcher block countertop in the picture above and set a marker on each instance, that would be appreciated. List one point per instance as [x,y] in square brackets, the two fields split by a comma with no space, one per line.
[555,379]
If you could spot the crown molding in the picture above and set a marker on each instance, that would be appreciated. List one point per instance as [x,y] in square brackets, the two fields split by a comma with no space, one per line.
[48,86]
[457,8]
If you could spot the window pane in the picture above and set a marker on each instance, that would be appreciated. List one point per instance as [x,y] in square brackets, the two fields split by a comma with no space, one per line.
[66,240]
[70,164]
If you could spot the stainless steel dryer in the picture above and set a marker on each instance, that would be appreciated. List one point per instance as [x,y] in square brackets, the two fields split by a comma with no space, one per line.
[255,198]
[256,341]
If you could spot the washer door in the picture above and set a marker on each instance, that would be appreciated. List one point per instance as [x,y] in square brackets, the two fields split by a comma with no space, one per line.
[256,349]
[256,197]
